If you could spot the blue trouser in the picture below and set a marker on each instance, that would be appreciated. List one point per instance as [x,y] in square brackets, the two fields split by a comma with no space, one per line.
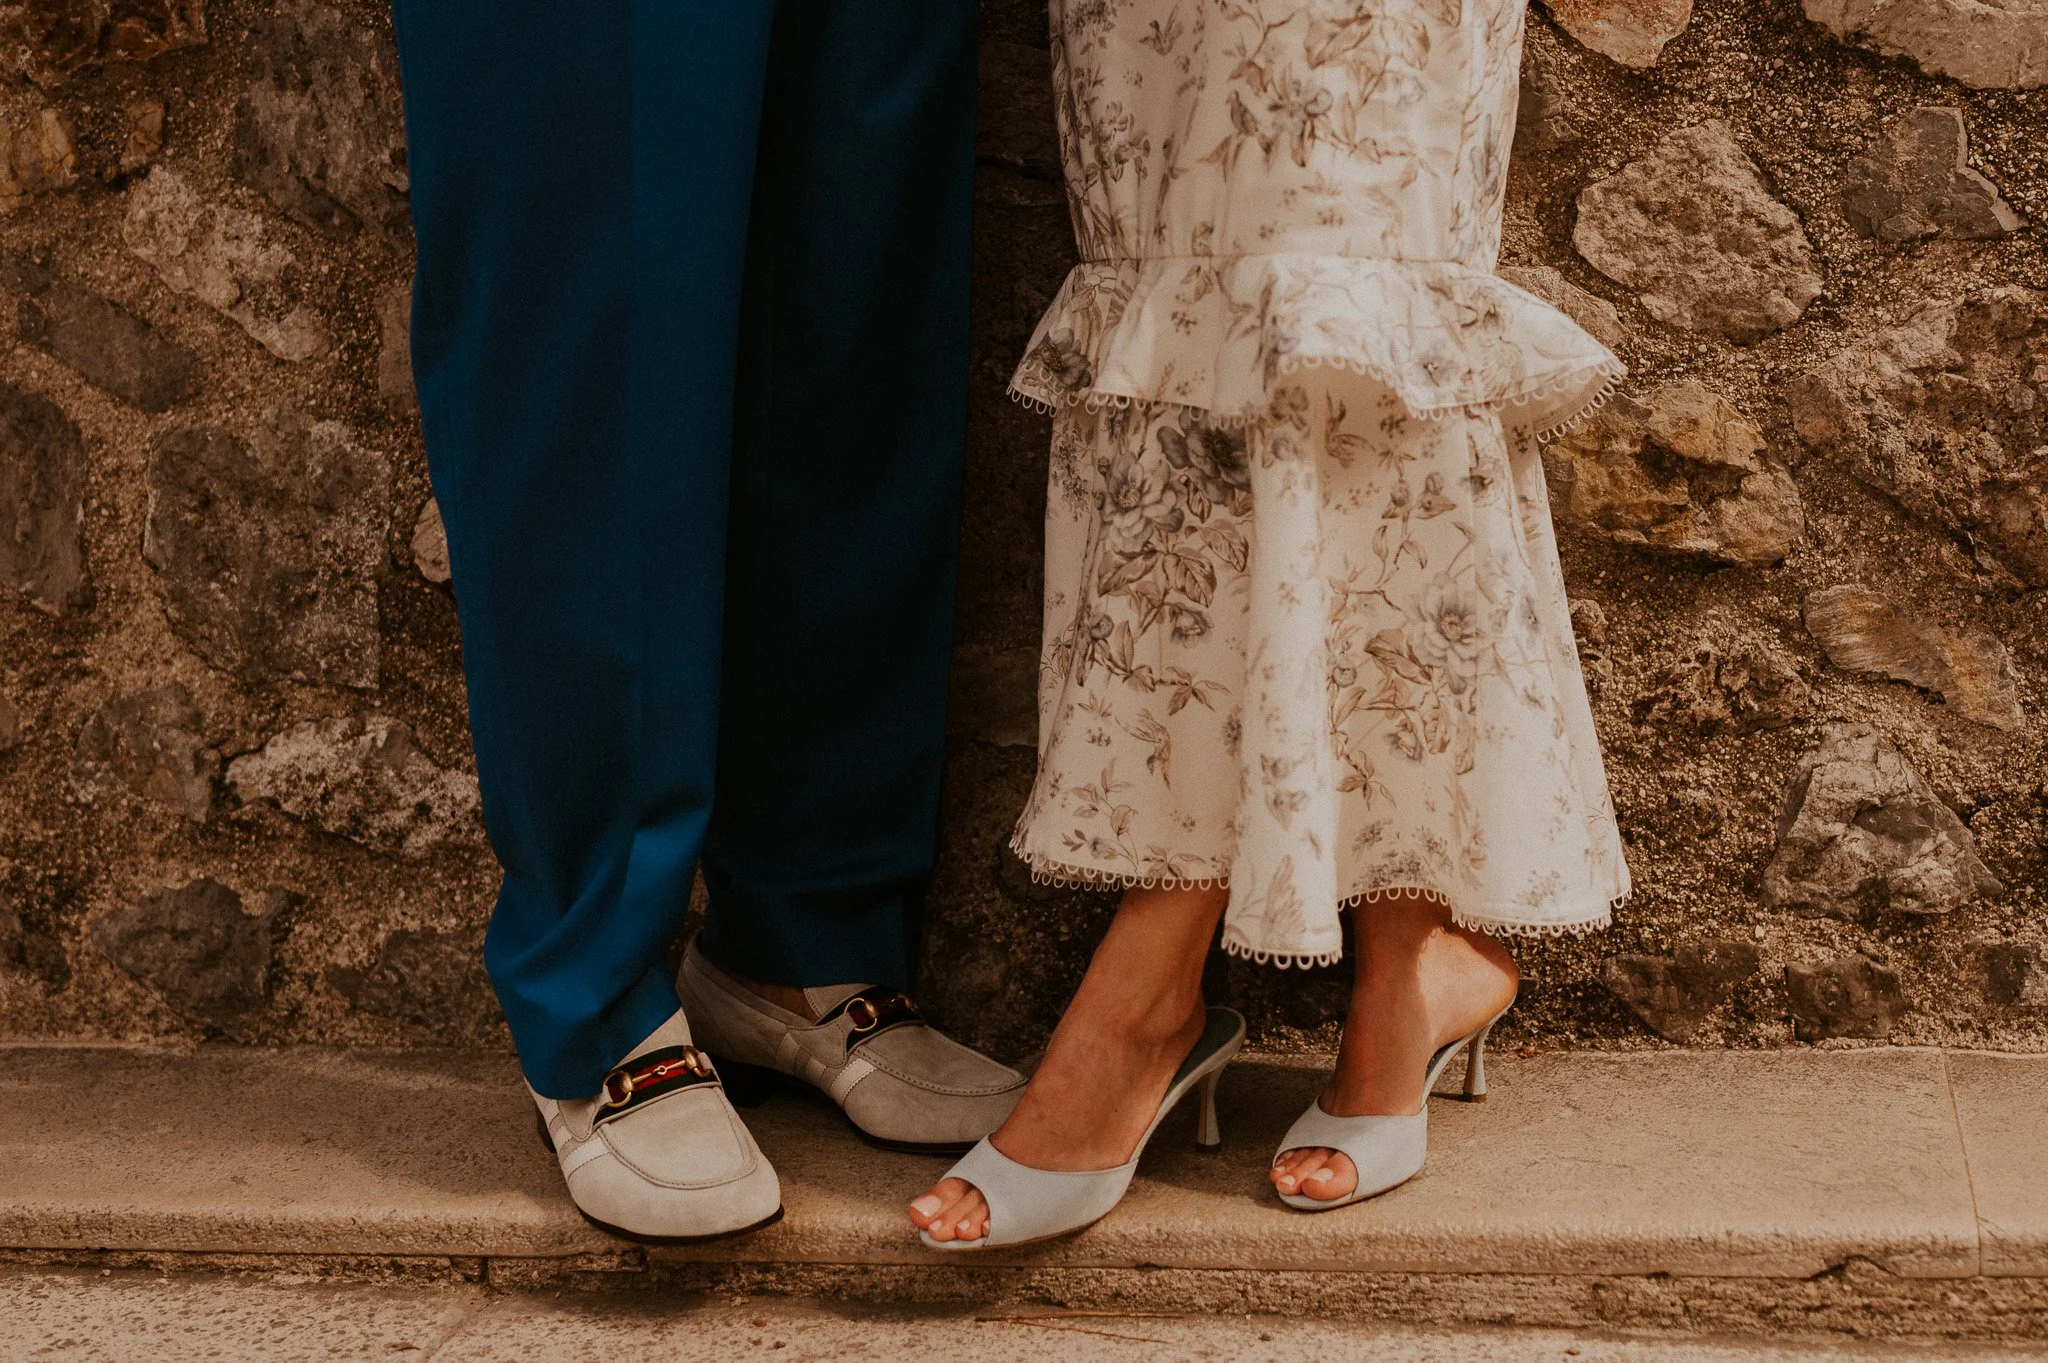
[690,335]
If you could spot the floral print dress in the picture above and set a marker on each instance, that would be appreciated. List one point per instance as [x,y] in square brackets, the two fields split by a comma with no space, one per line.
[1305,632]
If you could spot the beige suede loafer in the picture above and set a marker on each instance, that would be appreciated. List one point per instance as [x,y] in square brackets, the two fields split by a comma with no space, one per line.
[898,1080]
[659,1155]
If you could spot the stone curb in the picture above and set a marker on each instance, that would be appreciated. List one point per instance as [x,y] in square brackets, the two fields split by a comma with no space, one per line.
[1729,1165]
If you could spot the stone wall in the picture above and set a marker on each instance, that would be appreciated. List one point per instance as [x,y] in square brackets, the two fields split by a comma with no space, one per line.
[1806,544]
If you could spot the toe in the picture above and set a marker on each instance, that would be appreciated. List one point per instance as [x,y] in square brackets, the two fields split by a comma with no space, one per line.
[925,1208]
[1298,1165]
[973,1221]
[958,1218]
[1334,1177]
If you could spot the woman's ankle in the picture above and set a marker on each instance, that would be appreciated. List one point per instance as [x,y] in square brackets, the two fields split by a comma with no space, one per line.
[1145,981]
[1147,1017]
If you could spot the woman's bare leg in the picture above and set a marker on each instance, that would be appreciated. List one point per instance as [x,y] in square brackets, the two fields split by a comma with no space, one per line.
[1132,1022]
[1419,983]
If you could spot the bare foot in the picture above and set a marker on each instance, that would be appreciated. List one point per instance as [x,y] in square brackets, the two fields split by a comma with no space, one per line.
[1133,1021]
[1420,983]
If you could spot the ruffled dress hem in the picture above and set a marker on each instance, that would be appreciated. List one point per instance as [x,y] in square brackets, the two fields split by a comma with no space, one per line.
[1219,334]
[1071,876]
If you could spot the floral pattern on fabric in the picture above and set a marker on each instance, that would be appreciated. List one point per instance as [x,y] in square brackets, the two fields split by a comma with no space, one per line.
[1306,633]
[1318,658]
[1262,185]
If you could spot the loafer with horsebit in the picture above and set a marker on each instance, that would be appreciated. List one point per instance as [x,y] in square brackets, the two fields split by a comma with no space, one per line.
[658,1155]
[900,1082]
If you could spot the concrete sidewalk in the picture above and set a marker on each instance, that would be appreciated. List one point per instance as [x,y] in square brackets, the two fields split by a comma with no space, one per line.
[1901,1186]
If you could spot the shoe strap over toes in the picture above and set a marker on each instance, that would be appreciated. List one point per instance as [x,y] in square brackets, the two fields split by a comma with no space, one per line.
[1026,1204]
[1385,1151]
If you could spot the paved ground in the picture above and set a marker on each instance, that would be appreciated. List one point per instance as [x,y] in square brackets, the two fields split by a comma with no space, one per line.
[122,1317]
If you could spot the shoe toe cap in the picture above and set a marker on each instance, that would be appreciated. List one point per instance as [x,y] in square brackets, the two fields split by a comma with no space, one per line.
[693,1138]
[684,1166]
[890,1108]
[617,1195]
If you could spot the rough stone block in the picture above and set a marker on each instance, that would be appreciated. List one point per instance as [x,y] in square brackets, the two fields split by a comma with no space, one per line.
[1986,44]
[226,258]
[319,129]
[1916,181]
[107,345]
[1680,471]
[365,778]
[433,979]
[269,549]
[1947,414]
[207,959]
[1632,32]
[1864,632]
[42,503]
[430,545]
[51,40]
[1862,833]
[150,744]
[1692,228]
[1674,994]
[1847,996]
[36,157]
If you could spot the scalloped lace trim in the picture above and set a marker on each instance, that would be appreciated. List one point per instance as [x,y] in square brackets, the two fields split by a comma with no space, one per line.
[1070,876]
[1605,378]
[1612,377]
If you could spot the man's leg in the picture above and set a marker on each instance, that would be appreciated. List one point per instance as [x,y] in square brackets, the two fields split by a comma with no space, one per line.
[581,184]
[845,495]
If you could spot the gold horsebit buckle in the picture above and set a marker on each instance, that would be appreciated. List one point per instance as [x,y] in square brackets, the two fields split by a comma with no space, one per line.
[655,1075]
[873,1012]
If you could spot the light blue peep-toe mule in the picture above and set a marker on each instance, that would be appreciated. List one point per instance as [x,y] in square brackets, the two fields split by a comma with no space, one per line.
[1026,1205]
[1387,1151]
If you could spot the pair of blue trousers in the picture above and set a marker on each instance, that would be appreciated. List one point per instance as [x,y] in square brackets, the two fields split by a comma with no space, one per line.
[690,337]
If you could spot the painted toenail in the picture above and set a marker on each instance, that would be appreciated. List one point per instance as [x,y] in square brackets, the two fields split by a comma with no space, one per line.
[928,1205]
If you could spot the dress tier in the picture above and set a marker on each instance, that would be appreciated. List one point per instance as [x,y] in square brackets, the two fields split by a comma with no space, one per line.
[1305,632]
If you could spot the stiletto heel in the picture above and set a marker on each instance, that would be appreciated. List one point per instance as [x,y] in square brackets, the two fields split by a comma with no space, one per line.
[1209,1131]
[1475,1067]
[1026,1205]
[1386,1151]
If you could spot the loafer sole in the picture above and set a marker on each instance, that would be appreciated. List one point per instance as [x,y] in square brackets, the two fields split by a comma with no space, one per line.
[548,1144]
[749,1086]
[639,1239]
